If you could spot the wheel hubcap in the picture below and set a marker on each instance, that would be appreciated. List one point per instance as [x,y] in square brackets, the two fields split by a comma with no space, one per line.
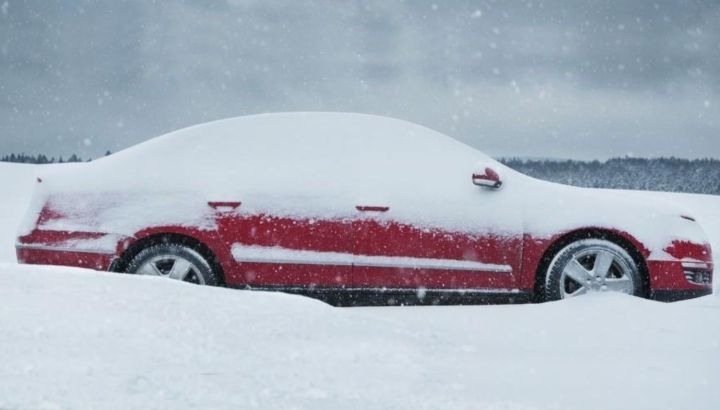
[596,270]
[173,267]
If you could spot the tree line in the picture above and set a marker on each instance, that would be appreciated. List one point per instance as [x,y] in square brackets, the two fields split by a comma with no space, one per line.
[42,158]
[701,176]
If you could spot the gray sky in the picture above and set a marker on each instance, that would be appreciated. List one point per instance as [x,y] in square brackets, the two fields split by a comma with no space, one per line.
[582,79]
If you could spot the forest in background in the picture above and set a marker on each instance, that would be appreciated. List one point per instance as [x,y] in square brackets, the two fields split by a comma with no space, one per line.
[700,176]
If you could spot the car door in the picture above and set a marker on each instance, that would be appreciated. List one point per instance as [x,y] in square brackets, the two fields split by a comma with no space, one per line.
[287,252]
[436,230]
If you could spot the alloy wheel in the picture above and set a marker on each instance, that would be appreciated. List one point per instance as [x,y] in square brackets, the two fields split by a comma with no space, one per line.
[596,269]
[173,267]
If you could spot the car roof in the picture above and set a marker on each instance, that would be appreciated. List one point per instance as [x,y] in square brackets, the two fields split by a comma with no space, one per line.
[302,153]
[322,131]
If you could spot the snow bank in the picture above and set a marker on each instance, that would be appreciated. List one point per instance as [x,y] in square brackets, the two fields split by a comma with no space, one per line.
[80,339]
[16,184]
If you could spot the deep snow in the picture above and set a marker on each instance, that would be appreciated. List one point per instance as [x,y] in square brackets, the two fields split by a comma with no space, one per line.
[72,338]
[79,339]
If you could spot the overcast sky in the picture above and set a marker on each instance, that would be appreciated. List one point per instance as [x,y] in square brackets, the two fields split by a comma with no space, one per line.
[580,79]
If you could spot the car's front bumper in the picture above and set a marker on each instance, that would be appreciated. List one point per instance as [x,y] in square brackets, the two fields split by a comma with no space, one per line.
[678,280]
[668,295]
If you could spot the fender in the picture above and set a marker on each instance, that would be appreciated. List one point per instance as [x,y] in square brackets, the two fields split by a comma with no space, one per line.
[537,250]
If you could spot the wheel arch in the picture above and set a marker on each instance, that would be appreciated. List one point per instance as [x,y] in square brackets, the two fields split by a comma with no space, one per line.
[623,239]
[145,239]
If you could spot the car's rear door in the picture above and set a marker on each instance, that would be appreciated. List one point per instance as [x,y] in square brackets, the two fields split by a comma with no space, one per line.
[286,251]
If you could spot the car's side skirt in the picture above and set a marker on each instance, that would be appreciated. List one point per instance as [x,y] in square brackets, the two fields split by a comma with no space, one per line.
[402,296]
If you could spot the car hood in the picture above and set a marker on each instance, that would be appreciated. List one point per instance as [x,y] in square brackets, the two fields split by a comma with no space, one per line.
[653,222]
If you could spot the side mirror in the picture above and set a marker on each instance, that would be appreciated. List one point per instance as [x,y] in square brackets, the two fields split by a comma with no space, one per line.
[488,178]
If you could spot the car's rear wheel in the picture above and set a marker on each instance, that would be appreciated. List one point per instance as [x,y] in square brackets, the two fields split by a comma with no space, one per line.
[173,261]
[592,265]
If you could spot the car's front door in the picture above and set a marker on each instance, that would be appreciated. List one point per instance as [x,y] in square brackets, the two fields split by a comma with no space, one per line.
[443,235]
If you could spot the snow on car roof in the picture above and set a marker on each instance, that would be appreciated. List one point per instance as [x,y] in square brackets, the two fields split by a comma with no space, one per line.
[342,132]
[307,151]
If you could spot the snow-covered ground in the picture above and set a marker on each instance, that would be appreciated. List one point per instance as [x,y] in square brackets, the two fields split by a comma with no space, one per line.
[78,339]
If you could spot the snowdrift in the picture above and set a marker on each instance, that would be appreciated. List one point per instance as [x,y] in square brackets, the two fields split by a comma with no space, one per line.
[81,339]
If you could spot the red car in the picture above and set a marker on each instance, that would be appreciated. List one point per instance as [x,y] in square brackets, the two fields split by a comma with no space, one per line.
[354,208]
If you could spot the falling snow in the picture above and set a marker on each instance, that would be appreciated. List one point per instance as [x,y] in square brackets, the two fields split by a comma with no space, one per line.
[613,69]
[580,79]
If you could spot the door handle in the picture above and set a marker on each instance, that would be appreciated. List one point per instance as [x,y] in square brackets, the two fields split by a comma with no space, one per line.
[224,205]
[366,208]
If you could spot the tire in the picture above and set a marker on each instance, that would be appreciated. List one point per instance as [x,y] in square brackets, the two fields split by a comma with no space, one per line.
[592,265]
[173,261]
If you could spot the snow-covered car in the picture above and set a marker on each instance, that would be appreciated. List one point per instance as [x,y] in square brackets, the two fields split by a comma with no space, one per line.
[354,208]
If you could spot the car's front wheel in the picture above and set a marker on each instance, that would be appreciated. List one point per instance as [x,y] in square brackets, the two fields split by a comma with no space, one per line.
[173,261]
[592,265]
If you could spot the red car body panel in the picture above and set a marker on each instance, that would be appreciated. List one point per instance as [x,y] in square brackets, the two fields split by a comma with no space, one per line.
[512,262]
[65,258]
[380,238]
[287,233]
[52,248]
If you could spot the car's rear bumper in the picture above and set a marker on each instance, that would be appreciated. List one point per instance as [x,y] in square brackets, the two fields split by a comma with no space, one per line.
[78,249]
[50,255]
